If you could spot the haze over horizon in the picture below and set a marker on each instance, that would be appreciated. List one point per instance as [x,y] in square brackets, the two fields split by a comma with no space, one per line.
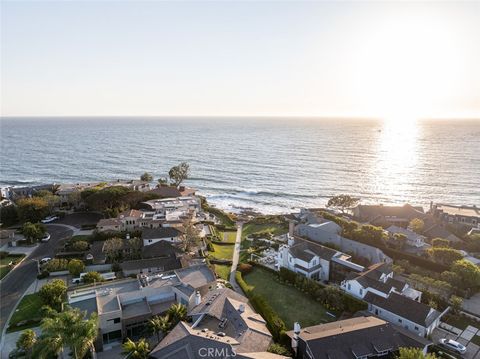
[398,61]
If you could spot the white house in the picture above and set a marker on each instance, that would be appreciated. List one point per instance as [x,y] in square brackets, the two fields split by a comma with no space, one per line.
[413,239]
[154,235]
[313,260]
[378,279]
[405,312]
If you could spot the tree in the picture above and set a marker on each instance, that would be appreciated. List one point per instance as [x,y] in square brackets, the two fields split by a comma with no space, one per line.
[451,277]
[179,173]
[190,237]
[106,199]
[113,248]
[343,202]
[136,350]
[135,246]
[369,234]
[75,267]
[8,215]
[162,181]
[400,240]
[80,246]
[456,303]
[444,255]
[416,225]
[279,349]
[146,177]
[440,242]
[70,328]
[177,312]
[52,293]
[74,198]
[160,324]
[468,272]
[413,353]
[26,341]
[92,277]
[32,209]
[33,232]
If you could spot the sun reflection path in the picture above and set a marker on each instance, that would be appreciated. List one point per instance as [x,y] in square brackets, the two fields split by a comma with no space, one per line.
[397,157]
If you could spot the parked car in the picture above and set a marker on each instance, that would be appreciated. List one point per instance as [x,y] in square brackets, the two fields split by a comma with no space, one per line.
[45,260]
[49,219]
[453,345]
[46,237]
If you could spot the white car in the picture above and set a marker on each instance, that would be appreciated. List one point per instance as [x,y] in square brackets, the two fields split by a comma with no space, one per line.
[45,260]
[49,219]
[46,237]
[453,345]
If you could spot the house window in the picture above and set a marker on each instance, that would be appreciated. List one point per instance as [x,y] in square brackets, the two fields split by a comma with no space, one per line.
[399,320]
[149,241]
[361,291]
[416,328]
[114,320]
[349,286]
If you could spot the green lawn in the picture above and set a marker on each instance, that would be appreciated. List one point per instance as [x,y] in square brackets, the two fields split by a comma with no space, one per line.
[275,229]
[81,237]
[230,236]
[4,267]
[223,251]
[223,271]
[29,309]
[289,303]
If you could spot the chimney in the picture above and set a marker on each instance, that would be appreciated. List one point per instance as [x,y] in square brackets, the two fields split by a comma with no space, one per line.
[241,308]
[296,333]
[181,188]
[291,227]
[290,240]
[198,298]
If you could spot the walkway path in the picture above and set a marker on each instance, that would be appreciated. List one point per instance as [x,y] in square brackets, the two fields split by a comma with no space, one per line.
[236,257]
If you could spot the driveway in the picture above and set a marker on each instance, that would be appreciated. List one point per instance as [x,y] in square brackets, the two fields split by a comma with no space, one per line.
[80,218]
[472,304]
[473,350]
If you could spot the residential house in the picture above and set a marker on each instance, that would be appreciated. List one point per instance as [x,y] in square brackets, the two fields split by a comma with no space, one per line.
[223,325]
[468,216]
[328,233]
[110,225]
[380,215]
[131,219]
[150,265]
[356,338]
[398,309]
[153,235]
[124,307]
[171,209]
[413,239]
[315,261]
[378,279]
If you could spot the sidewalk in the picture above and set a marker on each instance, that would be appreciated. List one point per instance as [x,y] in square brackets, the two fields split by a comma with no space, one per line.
[236,257]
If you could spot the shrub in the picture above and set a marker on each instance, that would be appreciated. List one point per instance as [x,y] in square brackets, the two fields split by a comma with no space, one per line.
[92,277]
[80,246]
[56,265]
[245,268]
[75,267]
[52,293]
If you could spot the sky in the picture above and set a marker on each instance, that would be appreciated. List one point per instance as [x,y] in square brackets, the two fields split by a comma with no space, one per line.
[327,59]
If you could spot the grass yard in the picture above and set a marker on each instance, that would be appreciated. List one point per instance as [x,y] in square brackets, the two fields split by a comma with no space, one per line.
[223,271]
[476,340]
[275,229]
[223,251]
[81,237]
[289,303]
[230,237]
[29,311]
[4,267]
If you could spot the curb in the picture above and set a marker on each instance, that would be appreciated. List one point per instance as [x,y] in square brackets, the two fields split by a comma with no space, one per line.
[16,265]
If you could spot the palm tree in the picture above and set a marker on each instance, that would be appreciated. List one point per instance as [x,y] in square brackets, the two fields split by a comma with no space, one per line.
[177,312]
[69,328]
[136,350]
[26,341]
[160,325]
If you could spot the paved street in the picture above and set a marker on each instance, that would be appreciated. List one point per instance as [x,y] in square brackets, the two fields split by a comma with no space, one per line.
[17,282]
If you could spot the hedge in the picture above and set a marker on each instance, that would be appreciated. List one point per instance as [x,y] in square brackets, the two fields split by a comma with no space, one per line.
[416,260]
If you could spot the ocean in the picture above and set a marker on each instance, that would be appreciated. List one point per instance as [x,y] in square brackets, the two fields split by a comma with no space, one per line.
[271,165]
